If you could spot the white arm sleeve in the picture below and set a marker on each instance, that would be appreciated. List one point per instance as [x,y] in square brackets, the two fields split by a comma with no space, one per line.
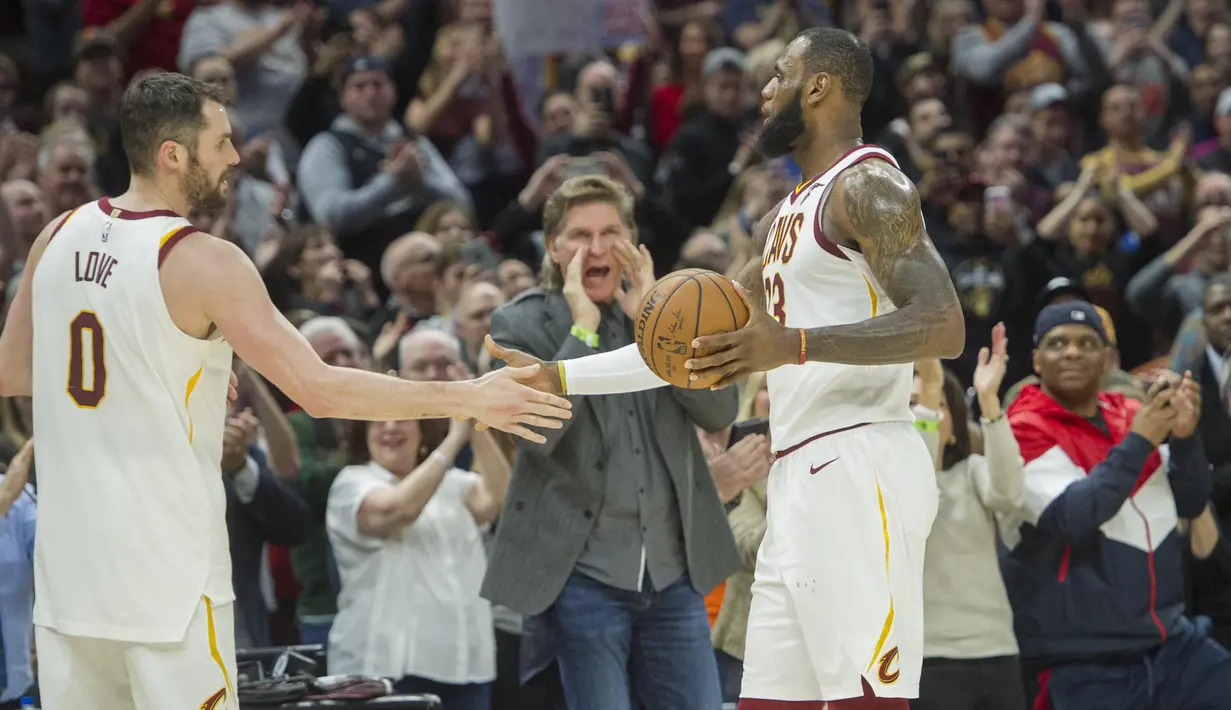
[613,372]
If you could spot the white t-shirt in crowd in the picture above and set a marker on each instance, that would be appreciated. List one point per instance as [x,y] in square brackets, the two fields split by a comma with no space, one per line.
[410,602]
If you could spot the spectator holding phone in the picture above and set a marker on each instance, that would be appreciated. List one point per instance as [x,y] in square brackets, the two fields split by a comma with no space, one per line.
[599,99]
[1095,569]
[970,652]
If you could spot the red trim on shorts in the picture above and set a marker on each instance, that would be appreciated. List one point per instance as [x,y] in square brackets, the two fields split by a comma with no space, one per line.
[821,239]
[56,230]
[809,440]
[120,213]
[1042,699]
[172,240]
[759,704]
[869,701]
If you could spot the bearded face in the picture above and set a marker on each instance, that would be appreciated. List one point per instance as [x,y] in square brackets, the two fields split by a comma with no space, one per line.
[780,131]
[203,192]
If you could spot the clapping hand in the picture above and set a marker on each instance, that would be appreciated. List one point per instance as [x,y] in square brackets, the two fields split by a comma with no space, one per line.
[1156,418]
[240,431]
[740,466]
[16,476]
[989,373]
[1186,402]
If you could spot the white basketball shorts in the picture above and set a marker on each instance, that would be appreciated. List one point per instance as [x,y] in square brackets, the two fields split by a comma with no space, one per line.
[75,672]
[838,596]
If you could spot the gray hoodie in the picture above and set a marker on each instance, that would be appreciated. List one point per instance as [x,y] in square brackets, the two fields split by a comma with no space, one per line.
[342,207]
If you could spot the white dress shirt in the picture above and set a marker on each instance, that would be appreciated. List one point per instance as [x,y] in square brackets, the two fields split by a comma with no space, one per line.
[410,603]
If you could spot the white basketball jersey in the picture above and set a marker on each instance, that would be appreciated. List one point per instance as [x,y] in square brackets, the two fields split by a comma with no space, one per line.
[811,282]
[128,415]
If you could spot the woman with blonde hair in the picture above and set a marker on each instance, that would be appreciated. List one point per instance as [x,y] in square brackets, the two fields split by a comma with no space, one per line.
[451,222]
[406,528]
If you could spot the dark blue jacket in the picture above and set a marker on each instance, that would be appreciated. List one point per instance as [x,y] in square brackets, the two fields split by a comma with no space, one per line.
[1096,563]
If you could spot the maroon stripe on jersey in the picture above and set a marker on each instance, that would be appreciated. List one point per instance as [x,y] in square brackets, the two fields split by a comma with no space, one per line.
[120,213]
[809,440]
[169,243]
[799,190]
[59,226]
[823,240]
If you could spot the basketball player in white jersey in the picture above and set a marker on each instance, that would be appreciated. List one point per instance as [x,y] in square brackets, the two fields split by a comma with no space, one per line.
[123,330]
[846,294]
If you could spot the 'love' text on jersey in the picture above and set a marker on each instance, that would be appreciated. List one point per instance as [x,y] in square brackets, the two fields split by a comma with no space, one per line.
[96,269]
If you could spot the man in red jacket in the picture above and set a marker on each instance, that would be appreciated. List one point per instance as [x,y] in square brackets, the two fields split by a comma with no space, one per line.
[1095,573]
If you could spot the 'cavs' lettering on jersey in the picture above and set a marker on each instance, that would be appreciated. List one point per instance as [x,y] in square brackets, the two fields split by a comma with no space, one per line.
[783,236]
[95,267]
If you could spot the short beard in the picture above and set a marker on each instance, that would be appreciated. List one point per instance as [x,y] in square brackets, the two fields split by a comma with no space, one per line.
[780,132]
[199,193]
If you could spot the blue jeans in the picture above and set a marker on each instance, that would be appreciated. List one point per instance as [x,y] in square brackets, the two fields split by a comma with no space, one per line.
[467,696]
[730,674]
[315,632]
[615,647]
[1188,672]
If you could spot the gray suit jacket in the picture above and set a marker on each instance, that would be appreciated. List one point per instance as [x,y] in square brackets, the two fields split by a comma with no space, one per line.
[557,487]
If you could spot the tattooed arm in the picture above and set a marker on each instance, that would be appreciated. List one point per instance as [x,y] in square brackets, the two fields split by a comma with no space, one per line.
[875,208]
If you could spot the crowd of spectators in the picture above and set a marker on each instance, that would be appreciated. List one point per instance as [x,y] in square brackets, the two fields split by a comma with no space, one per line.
[406,188]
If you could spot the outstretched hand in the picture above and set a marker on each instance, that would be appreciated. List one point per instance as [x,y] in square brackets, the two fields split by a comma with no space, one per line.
[508,400]
[762,344]
[546,379]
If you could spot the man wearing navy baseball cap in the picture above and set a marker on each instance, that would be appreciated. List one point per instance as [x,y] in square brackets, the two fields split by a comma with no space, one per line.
[1095,569]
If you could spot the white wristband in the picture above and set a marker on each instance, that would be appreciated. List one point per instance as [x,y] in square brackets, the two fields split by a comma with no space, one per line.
[440,459]
[613,372]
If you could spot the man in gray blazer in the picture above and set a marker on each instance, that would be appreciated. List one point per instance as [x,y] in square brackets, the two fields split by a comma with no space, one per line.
[612,531]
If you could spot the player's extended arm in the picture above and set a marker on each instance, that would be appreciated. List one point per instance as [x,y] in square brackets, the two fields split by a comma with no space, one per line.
[623,370]
[17,340]
[214,281]
[875,206]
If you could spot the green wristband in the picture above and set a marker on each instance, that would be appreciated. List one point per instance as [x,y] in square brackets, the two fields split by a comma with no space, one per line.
[927,425]
[588,337]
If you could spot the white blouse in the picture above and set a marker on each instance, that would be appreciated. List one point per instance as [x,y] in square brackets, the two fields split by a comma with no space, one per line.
[966,612]
[410,603]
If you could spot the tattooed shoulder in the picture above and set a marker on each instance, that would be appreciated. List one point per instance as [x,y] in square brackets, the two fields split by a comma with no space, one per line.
[879,211]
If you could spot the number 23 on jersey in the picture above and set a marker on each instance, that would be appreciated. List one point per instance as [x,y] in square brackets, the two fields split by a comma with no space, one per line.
[87,362]
[775,297]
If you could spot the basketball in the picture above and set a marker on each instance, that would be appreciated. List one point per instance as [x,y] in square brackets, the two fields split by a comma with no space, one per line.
[680,307]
